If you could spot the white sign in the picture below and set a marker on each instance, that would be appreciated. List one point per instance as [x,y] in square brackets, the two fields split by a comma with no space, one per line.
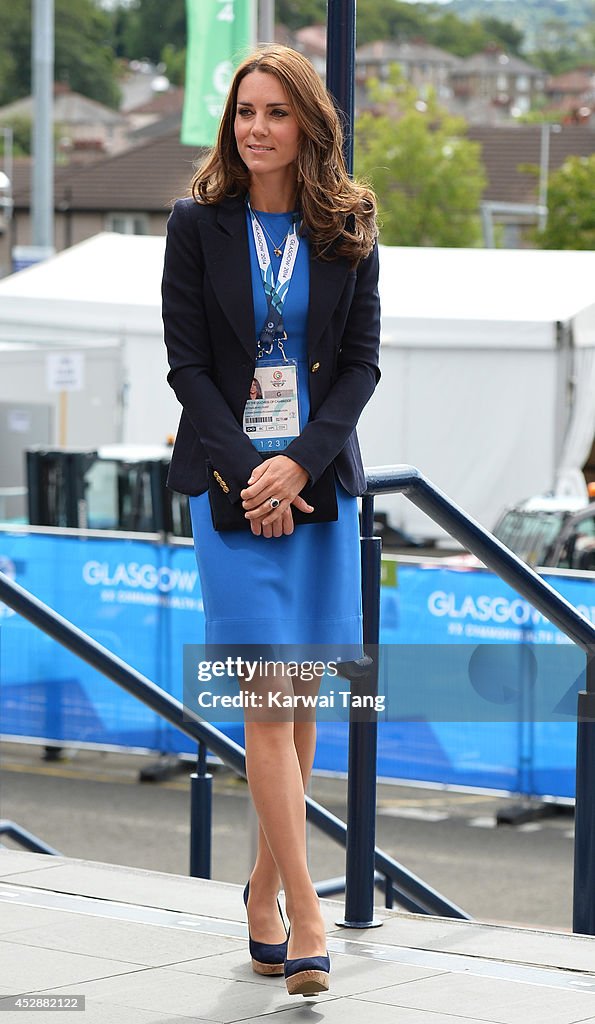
[65,371]
[19,420]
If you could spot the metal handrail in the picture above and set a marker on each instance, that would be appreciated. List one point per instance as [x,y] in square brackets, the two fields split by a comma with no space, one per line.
[408,889]
[31,842]
[419,490]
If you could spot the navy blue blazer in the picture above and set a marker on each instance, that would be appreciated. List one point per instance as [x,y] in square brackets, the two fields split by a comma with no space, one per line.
[208,316]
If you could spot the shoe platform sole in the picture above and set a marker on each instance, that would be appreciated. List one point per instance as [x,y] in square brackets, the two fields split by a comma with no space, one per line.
[260,968]
[307,983]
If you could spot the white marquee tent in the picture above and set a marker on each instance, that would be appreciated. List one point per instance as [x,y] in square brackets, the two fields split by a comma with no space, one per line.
[488,360]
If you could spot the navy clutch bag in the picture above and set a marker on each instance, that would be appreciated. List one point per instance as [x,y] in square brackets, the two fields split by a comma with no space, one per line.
[322,496]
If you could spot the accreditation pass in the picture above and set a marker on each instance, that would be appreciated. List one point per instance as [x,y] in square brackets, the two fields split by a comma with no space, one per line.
[271,414]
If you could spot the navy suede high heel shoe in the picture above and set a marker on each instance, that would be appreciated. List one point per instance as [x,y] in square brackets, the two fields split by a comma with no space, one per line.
[267,957]
[307,975]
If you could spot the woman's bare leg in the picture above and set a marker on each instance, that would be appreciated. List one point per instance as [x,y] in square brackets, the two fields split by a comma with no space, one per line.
[265,880]
[279,757]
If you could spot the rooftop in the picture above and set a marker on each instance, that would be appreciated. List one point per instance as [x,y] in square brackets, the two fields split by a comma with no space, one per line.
[495,60]
[386,50]
[69,108]
[506,150]
[170,101]
[148,177]
[581,80]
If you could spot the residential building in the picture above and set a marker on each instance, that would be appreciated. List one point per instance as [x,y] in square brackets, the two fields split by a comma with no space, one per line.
[511,156]
[573,94]
[423,65]
[492,86]
[130,193]
[84,128]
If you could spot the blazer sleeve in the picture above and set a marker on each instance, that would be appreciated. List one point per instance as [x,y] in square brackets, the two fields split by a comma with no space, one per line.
[190,357]
[358,373]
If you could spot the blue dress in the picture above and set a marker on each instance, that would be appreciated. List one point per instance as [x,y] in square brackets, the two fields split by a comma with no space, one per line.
[299,589]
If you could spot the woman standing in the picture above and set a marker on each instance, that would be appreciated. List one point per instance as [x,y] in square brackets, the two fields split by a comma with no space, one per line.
[272,322]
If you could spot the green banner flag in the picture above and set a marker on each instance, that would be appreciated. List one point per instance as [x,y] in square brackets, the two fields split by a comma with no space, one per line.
[219,35]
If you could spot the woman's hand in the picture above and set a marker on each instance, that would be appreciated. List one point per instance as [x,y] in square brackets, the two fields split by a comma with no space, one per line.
[281,478]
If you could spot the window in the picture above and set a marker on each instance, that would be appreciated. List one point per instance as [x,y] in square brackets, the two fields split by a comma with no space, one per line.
[529,534]
[127,223]
[579,548]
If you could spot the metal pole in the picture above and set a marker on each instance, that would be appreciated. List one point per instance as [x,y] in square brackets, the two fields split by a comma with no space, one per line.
[7,131]
[201,813]
[6,198]
[361,784]
[487,223]
[42,173]
[544,164]
[340,66]
[583,920]
[266,21]
[361,777]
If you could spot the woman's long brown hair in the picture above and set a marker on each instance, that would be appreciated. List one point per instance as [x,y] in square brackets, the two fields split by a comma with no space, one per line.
[339,215]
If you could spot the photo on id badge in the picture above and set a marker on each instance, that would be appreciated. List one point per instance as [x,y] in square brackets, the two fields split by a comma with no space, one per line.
[271,414]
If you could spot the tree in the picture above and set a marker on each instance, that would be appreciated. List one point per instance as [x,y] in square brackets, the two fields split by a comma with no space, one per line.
[571,210]
[388,19]
[146,26]
[503,32]
[428,177]
[83,55]
[21,135]
[174,62]
[298,13]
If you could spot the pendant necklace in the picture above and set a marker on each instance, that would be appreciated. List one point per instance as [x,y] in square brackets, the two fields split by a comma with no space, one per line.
[277,249]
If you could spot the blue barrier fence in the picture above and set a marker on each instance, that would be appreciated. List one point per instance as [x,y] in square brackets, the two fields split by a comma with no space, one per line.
[142,600]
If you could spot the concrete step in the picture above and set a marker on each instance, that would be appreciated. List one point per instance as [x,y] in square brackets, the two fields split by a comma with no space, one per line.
[145,946]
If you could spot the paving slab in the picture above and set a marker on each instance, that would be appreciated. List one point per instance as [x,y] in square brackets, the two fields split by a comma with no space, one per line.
[354,1011]
[22,860]
[177,992]
[500,942]
[96,1012]
[17,916]
[45,967]
[351,974]
[148,888]
[486,999]
[144,944]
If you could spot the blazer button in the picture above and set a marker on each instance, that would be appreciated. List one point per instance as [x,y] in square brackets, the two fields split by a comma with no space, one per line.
[315,368]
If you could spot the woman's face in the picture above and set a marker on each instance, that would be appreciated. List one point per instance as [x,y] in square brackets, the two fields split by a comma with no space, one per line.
[254,390]
[267,133]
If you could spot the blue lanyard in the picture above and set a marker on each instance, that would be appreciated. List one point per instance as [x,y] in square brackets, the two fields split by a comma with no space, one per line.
[275,291]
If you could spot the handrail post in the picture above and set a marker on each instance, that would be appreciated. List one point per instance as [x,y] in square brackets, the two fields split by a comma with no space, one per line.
[584,818]
[340,67]
[201,813]
[361,777]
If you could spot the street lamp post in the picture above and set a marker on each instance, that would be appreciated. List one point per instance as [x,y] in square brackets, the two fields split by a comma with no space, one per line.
[266,21]
[42,175]
[6,189]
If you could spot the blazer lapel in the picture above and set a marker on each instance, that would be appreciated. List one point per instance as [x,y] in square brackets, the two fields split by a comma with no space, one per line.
[327,280]
[227,246]
[229,269]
